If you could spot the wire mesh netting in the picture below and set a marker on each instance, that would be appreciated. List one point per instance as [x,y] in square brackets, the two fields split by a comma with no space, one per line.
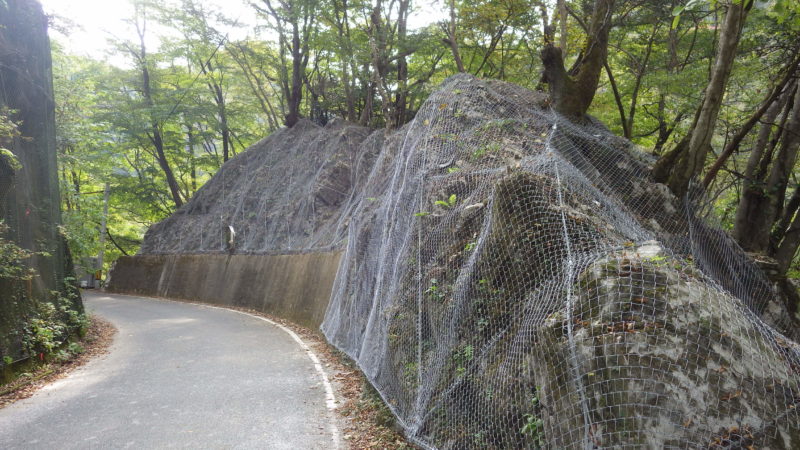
[29,197]
[513,280]
[290,192]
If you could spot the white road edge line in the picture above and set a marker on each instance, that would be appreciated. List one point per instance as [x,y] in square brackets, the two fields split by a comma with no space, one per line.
[330,398]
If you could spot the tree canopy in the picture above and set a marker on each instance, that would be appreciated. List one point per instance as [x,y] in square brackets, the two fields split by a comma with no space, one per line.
[707,86]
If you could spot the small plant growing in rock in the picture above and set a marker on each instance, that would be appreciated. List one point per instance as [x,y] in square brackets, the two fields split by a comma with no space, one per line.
[462,358]
[449,203]
[478,153]
[434,291]
[533,425]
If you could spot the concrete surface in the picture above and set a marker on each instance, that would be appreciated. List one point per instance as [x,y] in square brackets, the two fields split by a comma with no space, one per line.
[180,376]
[296,287]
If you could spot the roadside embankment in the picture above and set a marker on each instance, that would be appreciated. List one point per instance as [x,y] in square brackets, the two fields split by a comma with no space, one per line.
[296,287]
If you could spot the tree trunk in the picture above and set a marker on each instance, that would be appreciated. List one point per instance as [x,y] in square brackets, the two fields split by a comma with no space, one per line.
[572,94]
[256,86]
[639,78]
[750,203]
[369,96]
[692,157]
[155,129]
[452,38]
[762,200]
[296,92]
[343,33]
[299,16]
[789,240]
[562,20]
[778,180]
[737,139]
[401,96]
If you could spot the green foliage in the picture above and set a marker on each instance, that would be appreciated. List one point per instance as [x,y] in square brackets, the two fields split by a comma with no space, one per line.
[435,291]
[448,203]
[533,425]
[787,12]
[462,357]
[10,159]
[8,131]
[12,258]
[659,55]
[44,331]
[51,325]
[52,320]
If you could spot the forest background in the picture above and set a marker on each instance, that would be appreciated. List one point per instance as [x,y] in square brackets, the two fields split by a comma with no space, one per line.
[186,86]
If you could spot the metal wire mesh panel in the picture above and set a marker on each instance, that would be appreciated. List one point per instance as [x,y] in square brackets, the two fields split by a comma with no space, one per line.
[513,280]
[287,193]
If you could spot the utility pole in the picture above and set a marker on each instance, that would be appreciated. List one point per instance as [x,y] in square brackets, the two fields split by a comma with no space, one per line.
[101,254]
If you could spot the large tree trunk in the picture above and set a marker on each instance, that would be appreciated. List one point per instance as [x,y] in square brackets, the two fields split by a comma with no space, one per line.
[763,199]
[155,130]
[452,37]
[737,139]
[296,91]
[691,158]
[401,96]
[299,16]
[572,93]
[788,239]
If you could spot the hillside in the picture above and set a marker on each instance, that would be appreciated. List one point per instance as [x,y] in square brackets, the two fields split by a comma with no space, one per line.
[511,279]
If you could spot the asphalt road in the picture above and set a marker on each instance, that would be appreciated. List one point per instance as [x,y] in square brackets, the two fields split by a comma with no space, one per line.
[180,376]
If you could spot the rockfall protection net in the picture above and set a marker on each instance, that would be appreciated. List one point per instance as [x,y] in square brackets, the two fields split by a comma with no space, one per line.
[290,192]
[512,280]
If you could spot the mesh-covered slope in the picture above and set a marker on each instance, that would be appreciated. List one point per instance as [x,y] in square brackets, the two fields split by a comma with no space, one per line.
[512,280]
[289,192]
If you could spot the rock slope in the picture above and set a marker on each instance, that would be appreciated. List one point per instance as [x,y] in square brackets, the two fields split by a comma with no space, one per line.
[513,280]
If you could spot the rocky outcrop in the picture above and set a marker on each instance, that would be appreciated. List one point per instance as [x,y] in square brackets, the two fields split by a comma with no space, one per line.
[29,192]
[666,361]
[513,280]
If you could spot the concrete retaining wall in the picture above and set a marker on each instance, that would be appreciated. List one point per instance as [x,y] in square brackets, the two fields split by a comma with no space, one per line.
[294,287]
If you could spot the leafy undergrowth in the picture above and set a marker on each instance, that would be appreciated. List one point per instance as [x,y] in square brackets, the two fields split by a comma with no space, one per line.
[98,338]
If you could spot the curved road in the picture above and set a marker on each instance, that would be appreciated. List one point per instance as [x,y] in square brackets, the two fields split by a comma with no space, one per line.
[180,376]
